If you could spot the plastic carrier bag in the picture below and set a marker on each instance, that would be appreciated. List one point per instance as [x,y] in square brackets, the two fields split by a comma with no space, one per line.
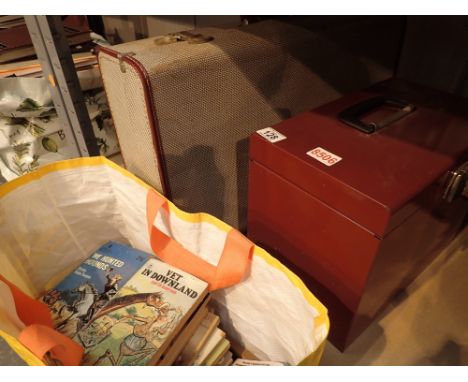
[54,218]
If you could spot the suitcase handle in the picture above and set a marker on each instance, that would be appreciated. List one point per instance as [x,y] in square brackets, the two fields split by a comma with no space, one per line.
[190,37]
[351,115]
[233,263]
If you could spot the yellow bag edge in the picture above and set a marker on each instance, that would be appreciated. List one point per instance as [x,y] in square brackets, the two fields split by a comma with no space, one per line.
[197,217]
[23,352]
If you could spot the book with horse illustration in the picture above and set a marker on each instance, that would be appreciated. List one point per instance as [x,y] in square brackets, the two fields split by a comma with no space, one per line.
[80,296]
[139,324]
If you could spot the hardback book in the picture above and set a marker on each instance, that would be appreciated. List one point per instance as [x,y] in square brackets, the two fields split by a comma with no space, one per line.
[213,340]
[75,300]
[198,340]
[217,353]
[181,341]
[137,326]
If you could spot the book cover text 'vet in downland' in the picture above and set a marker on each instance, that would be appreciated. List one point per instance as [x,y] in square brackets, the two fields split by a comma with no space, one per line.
[79,296]
[138,325]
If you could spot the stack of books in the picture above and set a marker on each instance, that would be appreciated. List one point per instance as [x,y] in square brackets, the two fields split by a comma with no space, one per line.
[126,307]
[7,22]
[17,51]
[16,44]
[208,346]
[32,68]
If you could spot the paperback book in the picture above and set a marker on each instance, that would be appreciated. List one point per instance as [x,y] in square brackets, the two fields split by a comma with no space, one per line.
[198,340]
[138,325]
[82,294]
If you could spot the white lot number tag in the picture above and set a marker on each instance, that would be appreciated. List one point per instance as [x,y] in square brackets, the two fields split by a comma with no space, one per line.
[271,134]
[324,156]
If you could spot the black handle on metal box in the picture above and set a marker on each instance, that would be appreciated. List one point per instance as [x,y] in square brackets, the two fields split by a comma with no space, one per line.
[351,116]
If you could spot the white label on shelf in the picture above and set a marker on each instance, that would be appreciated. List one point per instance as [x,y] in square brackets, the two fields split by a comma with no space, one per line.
[324,156]
[271,134]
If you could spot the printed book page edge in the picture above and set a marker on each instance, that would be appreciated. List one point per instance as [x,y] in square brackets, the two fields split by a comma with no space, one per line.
[212,326]
[185,334]
[177,346]
[211,343]
[217,353]
[193,351]
[155,359]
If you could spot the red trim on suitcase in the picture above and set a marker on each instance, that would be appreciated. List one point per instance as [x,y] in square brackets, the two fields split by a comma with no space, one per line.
[143,74]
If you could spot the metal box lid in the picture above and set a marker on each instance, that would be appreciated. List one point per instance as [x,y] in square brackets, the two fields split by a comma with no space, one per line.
[369,178]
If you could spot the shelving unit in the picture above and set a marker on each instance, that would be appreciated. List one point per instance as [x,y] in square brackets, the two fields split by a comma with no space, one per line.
[53,52]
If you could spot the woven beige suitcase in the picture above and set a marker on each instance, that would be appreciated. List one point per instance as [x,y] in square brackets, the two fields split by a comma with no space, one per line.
[183,105]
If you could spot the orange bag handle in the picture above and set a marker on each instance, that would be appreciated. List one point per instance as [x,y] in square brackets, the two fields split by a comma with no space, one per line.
[29,310]
[44,340]
[233,263]
[39,335]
